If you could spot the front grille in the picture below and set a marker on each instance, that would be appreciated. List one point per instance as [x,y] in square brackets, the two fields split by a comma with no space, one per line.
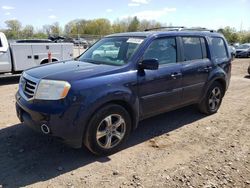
[28,86]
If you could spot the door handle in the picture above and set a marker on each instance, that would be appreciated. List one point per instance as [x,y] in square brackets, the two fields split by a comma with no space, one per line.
[205,69]
[208,68]
[175,75]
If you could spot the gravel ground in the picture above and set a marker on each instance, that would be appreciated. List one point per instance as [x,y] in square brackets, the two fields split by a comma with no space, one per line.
[182,148]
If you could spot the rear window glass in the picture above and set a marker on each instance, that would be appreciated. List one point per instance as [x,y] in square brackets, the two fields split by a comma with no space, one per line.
[218,48]
[193,48]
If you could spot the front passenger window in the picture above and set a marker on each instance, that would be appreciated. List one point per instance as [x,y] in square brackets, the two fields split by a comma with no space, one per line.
[163,49]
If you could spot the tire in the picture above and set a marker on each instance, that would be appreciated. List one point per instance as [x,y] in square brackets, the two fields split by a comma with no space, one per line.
[107,130]
[212,101]
[248,70]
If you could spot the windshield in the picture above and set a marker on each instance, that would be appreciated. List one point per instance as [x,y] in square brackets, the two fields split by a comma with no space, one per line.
[243,46]
[112,51]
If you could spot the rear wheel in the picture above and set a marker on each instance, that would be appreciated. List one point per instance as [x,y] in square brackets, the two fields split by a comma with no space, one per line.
[107,130]
[212,101]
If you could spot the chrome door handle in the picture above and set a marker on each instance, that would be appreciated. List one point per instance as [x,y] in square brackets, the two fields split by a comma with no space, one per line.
[176,75]
[205,69]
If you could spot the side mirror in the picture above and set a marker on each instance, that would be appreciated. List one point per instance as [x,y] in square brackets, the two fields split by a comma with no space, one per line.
[149,64]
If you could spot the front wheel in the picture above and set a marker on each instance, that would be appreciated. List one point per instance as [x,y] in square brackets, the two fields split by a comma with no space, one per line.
[107,130]
[212,101]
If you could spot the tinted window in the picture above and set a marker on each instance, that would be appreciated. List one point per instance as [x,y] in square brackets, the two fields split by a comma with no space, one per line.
[1,43]
[193,48]
[218,48]
[162,49]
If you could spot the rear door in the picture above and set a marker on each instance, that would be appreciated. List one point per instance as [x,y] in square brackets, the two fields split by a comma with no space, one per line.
[160,90]
[195,67]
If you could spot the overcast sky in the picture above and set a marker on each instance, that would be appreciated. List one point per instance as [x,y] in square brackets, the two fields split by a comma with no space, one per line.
[210,13]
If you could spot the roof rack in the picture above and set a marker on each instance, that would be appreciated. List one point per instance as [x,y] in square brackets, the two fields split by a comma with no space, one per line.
[169,28]
[198,29]
[181,28]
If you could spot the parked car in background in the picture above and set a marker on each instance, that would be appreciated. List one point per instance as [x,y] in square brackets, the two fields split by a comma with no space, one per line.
[243,50]
[235,44]
[97,102]
[81,42]
[232,51]
[109,50]
[76,41]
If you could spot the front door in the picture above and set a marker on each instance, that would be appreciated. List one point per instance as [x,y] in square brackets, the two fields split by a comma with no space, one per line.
[160,90]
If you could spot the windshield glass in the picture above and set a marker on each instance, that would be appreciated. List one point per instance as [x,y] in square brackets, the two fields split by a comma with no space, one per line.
[112,51]
[243,46]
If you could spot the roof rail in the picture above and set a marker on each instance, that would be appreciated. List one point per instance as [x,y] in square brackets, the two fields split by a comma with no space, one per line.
[181,28]
[198,29]
[171,28]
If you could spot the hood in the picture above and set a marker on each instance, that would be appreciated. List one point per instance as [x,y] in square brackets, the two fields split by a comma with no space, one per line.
[71,70]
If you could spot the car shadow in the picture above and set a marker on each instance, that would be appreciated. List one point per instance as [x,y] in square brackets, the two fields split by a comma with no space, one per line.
[247,76]
[8,80]
[28,157]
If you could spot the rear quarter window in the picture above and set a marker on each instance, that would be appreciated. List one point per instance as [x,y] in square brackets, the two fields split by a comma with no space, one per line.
[218,48]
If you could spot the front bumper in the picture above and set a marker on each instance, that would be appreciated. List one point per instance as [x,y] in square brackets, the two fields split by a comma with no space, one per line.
[63,121]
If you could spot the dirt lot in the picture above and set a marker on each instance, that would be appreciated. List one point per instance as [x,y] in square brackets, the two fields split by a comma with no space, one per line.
[177,149]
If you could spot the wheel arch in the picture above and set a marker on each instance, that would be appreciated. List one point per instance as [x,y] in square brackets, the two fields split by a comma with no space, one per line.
[45,60]
[223,84]
[123,103]
[128,107]
[219,79]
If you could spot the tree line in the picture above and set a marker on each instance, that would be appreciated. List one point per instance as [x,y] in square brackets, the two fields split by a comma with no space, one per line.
[100,27]
[234,36]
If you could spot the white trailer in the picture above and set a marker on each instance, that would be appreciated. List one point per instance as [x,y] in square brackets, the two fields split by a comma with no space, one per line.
[16,57]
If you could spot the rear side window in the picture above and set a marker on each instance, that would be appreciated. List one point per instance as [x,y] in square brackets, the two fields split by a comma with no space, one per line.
[163,49]
[194,48]
[218,48]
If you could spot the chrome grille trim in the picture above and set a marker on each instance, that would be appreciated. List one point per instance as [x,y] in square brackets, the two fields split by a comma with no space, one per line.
[28,86]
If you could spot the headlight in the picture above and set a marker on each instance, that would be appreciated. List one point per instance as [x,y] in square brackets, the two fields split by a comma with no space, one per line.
[52,90]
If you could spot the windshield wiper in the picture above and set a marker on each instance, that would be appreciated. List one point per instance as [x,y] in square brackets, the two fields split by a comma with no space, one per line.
[90,61]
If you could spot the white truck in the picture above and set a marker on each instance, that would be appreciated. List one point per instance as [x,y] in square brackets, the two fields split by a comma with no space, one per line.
[16,57]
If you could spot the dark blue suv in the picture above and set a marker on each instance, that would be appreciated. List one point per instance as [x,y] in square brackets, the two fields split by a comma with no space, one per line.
[97,99]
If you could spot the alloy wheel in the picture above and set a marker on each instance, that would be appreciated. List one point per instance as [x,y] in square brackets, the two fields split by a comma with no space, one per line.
[111,131]
[214,99]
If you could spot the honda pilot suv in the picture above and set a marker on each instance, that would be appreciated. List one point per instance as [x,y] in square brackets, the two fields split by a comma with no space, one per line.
[97,101]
